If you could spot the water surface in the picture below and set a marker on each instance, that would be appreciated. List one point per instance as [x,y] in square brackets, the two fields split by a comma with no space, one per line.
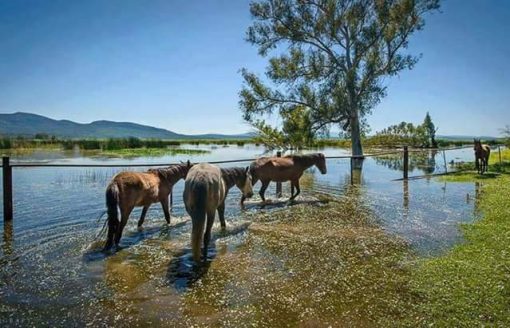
[52,271]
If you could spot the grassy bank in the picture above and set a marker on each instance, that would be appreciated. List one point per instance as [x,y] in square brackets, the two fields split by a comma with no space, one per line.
[470,285]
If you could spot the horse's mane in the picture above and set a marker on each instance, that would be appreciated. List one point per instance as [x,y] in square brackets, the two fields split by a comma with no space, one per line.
[306,159]
[173,172]
[232,174]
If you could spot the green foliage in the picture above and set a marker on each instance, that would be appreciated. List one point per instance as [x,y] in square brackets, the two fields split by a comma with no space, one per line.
[297,127]
[5,143]
[430,130]
[403,134]
[271,137]
[296,130]
[506,133]
[423,135]
[337,54]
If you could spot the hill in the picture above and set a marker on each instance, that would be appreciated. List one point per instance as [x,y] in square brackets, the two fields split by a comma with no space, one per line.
[28,124]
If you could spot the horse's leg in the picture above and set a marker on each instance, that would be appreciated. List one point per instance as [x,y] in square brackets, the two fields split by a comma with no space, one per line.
[142,216]
[124,211]
[295,183]
[113,225]
[164,204]
[221,214]
[207,235]
[262,191]
[477,165]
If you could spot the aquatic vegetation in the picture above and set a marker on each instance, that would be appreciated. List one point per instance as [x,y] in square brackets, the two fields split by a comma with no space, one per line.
[149,152]
[310,265]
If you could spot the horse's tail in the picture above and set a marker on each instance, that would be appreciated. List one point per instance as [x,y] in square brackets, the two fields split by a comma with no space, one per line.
[198,213]
[112,201]
[253,173]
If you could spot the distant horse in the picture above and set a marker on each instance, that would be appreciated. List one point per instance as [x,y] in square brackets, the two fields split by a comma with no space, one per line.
[287,168]
[130,189]
[205,189]
[482,154]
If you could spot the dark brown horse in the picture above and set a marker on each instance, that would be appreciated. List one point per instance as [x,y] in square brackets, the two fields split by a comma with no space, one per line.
[130,189]
[287,168]
[482,154]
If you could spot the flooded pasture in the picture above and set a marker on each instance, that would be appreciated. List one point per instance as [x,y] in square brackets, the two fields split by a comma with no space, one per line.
[269,267]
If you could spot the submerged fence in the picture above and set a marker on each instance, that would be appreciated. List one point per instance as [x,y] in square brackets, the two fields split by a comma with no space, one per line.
[7,167]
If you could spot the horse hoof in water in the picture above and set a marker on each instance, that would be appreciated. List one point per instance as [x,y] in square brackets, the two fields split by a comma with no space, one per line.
[140,229]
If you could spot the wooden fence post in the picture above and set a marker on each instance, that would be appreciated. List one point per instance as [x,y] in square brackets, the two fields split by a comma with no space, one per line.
[7,185]
[278,184]
[352,178]
[406,162]
[444,159]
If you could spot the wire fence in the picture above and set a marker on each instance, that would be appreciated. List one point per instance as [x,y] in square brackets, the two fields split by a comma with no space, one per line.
[7,167]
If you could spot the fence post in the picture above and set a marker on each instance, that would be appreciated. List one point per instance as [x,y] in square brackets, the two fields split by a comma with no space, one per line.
[352,178]
[444,159]
[406,162]
[278,184]
[7,185]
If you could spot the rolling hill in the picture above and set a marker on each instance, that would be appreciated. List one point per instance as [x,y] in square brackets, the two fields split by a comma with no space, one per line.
[28,124]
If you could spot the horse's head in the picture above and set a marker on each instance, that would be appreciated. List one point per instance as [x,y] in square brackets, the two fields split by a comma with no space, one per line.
[477,144]
[245,184]
[186,166]
[320,162]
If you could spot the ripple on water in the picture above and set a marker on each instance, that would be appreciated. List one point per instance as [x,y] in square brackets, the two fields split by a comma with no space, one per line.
[53,270]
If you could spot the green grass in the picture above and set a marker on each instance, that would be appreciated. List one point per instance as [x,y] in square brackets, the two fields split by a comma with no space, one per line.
[466,171]
[149,152]
[470,285]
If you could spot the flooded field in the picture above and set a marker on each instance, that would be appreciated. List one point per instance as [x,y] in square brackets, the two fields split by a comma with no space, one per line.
[267,268]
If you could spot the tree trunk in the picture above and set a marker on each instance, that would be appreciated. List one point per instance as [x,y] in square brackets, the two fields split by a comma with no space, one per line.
[356,147]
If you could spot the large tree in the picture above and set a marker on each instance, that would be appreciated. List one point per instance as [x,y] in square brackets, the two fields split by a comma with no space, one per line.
[331,57]
[430,130]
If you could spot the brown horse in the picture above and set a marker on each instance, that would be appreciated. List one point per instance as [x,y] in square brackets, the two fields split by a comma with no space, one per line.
[287,168]
[130,189]
[482,154]
[205,190]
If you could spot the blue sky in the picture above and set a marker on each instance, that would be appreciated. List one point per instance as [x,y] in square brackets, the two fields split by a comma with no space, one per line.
[175,64]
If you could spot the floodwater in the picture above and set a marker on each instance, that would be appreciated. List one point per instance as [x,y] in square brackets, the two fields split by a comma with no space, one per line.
[53,274]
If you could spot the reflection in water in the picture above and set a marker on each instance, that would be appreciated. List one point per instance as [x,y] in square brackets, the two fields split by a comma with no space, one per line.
[356,176]
[7,245]
[356,168]
[405,193]
[478,194]
[424,161]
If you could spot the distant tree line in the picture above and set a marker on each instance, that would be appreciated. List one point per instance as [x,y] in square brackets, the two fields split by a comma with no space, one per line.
[405,133]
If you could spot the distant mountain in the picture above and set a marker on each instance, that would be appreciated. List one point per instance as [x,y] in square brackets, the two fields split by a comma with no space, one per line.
[27,124]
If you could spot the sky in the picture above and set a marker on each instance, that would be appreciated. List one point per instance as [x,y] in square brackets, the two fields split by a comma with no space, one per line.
[175,64]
